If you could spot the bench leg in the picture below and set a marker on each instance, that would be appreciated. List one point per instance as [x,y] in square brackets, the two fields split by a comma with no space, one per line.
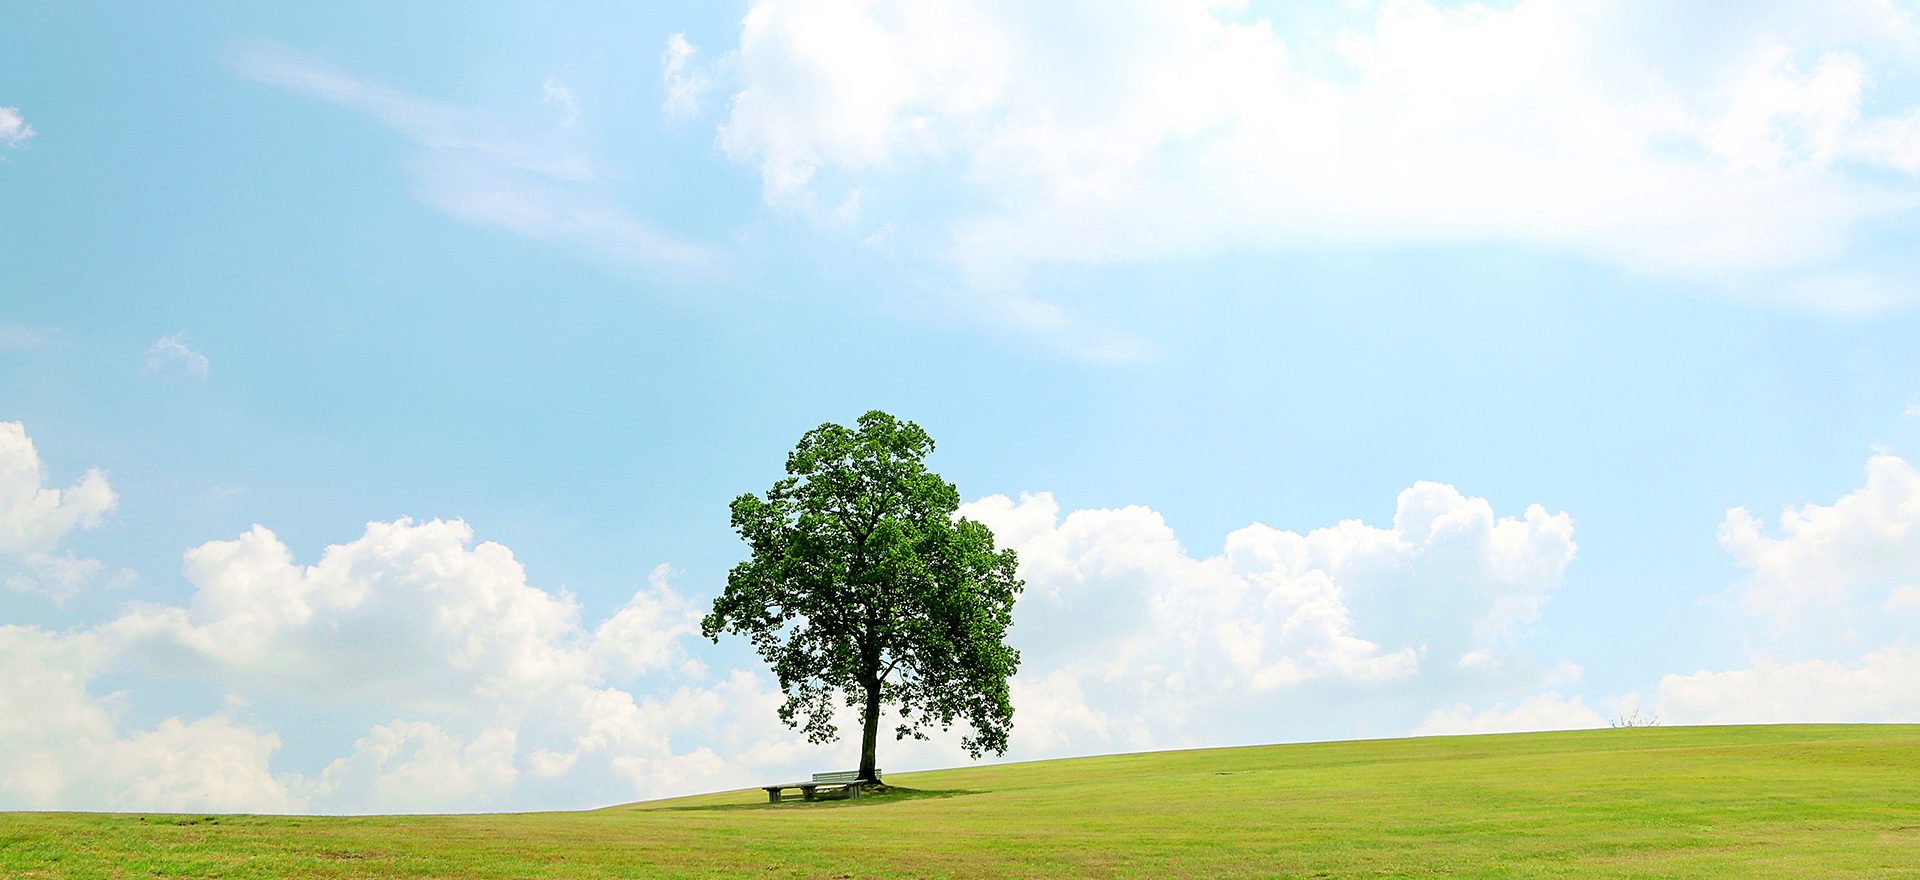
[773,795]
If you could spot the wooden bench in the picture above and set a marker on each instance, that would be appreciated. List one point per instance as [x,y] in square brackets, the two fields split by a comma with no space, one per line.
[845,780]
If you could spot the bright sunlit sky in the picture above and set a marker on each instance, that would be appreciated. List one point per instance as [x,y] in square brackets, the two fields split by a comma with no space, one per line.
[374,377]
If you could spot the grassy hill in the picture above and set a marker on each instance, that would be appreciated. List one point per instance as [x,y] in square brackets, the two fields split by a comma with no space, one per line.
[1791,801]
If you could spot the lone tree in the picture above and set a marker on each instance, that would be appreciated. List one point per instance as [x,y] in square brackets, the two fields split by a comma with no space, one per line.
[865,583]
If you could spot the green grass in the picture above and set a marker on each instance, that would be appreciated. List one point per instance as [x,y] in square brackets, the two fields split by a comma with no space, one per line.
[1796,801]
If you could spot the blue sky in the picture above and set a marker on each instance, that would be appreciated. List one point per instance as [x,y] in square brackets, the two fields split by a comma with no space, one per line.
[566,281]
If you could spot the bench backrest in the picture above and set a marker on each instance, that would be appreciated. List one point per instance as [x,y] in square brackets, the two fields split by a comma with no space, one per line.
[841,776]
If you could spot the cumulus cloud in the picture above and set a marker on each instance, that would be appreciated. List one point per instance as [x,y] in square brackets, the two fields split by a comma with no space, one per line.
[640,637]
[34,518]
[1651,135]
[489,172]
[14,129]
[408,613]
[1129,639]
[172,349]
[418,766]
[478,688]
[62,748]
[1863,547]
[486,684]
[482,690]
[1882,686]
[1835,576]
[473,688]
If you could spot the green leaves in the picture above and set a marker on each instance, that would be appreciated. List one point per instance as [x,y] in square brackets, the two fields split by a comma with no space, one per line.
[863,582]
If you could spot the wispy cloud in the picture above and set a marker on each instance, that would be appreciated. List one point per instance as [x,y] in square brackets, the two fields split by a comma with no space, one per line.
[559,94]
[489,171]
[684,80]
[172,349]
[15,337]
[14,129]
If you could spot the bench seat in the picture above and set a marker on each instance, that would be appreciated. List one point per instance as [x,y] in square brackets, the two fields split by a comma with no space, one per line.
[845,780]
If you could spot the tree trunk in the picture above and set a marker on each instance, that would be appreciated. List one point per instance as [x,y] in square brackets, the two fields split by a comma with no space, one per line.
[871,734]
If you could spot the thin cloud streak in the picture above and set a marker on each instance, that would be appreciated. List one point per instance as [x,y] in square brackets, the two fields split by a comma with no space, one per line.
[487,172]
[17,337]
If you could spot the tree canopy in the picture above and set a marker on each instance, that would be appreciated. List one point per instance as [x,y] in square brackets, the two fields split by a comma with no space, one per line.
[864,583]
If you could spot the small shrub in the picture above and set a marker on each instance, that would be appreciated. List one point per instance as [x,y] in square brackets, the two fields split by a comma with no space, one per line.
[1634,719]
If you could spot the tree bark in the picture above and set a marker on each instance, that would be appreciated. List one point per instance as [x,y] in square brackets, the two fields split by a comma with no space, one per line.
[872,733]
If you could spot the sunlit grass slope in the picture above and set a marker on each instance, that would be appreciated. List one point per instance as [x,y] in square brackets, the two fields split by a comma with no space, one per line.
[1801,801]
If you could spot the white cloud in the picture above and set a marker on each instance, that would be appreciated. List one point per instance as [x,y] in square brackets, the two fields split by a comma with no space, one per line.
[62,749]
[489,172]
[1548,711]
[482,687]
[684,80]
[419,767]
[172,349]
[488,692]
[1837,575]
[490,680]
[1661,138]
[640,637]
[477,689]
[34,518]
[1883,686]
[1892,142]
[1128,639]
[407,614]
[14,129]
[1829,557]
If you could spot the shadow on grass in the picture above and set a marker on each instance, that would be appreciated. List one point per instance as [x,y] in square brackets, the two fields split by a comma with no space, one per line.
[873,798]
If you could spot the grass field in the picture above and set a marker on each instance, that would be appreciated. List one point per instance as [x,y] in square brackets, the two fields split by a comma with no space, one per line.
[1794,801]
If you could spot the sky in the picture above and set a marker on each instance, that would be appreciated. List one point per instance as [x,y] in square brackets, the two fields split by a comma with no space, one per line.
[374,378]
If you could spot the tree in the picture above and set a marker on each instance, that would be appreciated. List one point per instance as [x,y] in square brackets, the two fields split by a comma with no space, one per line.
[863,582]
